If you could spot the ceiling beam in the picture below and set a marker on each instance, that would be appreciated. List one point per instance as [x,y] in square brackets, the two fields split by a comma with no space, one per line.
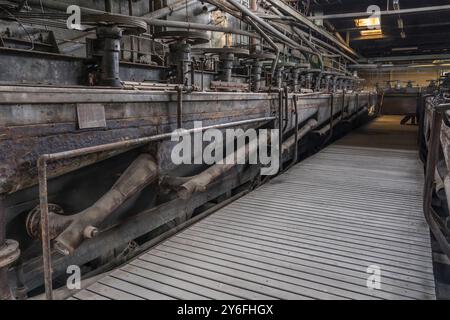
[408,58]
[382,13]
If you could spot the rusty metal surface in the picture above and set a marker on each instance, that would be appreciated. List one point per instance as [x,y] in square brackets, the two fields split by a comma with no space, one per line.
[50,122]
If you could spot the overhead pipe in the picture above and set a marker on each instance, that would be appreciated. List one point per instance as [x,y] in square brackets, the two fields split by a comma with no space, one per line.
[308,23]
[5,291]
[271,43]
[196,26]
[261,22]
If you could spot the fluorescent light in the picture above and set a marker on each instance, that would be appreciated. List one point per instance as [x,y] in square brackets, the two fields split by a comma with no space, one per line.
[369,22]
[405,49]
[374,32]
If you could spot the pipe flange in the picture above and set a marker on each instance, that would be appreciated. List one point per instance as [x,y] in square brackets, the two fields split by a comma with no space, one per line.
[33,221]
[189,37]
[9,253]
[129,25]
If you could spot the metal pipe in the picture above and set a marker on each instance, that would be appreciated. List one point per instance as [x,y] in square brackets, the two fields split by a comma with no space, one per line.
[271,43]
[436,124]
[201,182]
[5,291]
[310,124]
[286,108]
[108,6]
[45,236]
[260,21]
[280,126]
[197,26]
[179,107]
[142,172]
[381,13]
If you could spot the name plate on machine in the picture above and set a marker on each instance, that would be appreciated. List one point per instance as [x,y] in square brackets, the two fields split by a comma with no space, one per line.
[91,115]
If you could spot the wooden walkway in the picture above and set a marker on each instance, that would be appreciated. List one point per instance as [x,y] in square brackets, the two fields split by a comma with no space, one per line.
[309,234]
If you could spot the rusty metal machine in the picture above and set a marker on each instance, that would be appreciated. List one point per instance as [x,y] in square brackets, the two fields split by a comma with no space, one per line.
[86,117]
[434,142]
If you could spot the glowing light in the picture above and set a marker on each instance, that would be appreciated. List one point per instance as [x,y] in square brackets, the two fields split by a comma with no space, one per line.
[369,22]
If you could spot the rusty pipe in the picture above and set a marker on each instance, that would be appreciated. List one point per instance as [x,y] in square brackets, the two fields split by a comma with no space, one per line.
[42,173]
[136,177]
[271,43]
[200,182]
[5,291]
[180,107]
[308,127]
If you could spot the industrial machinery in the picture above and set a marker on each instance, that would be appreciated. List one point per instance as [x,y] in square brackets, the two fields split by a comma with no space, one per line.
[87,116]
[401,98]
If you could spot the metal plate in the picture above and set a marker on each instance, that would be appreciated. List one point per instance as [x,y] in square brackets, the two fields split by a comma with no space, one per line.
[91,115]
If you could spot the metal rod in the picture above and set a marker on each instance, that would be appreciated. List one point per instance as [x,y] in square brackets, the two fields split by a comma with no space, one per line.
[271,43]
[308,23]
[433,152]
[5,292]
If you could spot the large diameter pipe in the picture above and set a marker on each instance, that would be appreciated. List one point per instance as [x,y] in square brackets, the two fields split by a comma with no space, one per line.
[61,6]
[142,172]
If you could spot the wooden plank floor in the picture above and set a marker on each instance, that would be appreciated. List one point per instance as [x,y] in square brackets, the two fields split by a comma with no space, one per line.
[309,234]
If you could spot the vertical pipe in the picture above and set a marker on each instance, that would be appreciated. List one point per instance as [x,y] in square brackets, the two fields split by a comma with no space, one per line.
[5,292]
[192,75]
[433,151]
[296,131]
[280,126]
[108,6]
[180,107]
[45,236]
